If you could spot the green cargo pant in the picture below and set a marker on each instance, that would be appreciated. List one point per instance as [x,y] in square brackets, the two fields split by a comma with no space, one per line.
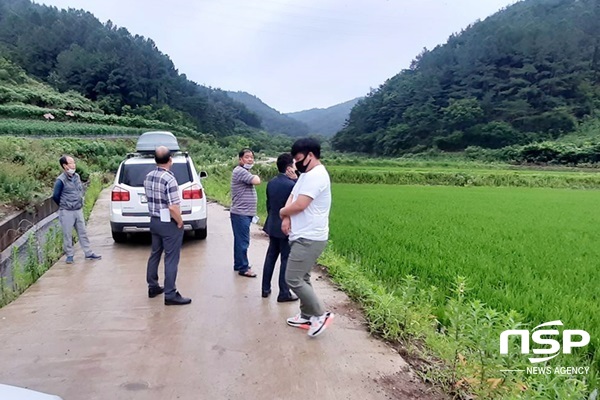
[303,256]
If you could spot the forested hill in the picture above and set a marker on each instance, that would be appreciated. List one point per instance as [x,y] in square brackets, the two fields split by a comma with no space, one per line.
[72,50]
[272,120]
[529,72]
[325,121]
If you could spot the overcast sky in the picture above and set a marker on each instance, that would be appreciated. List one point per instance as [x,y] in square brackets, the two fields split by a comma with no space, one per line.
[293,55]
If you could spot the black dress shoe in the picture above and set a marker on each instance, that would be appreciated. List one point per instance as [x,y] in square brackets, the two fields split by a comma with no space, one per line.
[266,294]
[155,291]
[286,299]
[178,300]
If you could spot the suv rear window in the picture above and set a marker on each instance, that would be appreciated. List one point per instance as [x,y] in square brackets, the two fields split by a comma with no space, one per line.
[134,174]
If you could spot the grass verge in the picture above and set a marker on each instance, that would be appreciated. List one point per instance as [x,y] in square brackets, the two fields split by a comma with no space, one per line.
[40,258]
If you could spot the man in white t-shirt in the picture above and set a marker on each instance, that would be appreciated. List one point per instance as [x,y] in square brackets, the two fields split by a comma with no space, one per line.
[306,219]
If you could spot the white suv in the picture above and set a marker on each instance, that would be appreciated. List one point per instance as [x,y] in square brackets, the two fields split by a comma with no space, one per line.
[128,204]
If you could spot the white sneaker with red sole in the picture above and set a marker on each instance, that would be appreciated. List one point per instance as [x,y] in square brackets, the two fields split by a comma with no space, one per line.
[319,324]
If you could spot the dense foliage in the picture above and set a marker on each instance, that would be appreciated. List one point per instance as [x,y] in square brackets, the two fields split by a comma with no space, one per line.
[72,50]
[28,168]
[530,72]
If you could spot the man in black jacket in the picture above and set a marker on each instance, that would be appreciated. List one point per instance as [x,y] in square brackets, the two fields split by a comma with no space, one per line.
[278,191]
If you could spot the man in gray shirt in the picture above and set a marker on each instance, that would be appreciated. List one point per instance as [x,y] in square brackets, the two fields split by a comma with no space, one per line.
[243,209]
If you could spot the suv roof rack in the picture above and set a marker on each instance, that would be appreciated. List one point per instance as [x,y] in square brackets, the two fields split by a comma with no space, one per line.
[149,141]
[151,154]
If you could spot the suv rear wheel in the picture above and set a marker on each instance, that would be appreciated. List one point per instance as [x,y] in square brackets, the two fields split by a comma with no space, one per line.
[201,234]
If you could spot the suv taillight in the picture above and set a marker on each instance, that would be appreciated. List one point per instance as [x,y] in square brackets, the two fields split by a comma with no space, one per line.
[119,194]
[194,192]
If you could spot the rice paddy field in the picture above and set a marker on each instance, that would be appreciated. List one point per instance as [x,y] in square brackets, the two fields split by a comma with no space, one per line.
[532,250]
[523,247]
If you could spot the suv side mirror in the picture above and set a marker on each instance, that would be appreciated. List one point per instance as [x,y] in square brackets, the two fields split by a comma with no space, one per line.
[203,174]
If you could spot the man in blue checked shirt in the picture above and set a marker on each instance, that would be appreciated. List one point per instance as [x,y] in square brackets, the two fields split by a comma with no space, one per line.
[162,192]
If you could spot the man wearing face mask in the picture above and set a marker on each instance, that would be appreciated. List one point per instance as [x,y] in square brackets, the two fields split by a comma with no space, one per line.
[306,218]
[278,191]
[68,194]
[243,209]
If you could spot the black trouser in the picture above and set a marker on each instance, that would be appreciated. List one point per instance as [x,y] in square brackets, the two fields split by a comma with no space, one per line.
[277,246]
[168,237]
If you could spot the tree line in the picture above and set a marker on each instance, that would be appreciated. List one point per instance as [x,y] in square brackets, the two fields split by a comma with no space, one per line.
[121,72]
[528,73]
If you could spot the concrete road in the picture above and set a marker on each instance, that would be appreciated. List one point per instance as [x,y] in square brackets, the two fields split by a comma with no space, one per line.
[89,331]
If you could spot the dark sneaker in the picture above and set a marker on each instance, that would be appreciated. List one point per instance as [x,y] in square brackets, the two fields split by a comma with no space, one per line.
[287,299]
[178,300]
[93,256]
[69,260]
[155,291]
[319,324]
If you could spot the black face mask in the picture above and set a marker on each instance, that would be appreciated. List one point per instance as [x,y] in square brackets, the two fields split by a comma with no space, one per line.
[300,165]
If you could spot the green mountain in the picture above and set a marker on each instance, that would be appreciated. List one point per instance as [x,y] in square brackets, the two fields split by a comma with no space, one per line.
[31,107]
[529,72]
[120,72]
[325,121]
[272,120]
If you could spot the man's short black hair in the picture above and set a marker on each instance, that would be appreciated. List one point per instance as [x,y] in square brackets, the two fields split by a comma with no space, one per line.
[162,157]
[63,160]
[244,151]
[283,161]
[305,146]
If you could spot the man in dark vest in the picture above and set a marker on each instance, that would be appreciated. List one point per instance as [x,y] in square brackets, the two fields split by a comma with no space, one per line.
[68,194]
[278,191]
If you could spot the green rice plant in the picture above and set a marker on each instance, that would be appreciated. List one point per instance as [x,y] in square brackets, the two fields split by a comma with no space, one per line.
[463,360]
[485,234]
[525,178]
[521,249]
